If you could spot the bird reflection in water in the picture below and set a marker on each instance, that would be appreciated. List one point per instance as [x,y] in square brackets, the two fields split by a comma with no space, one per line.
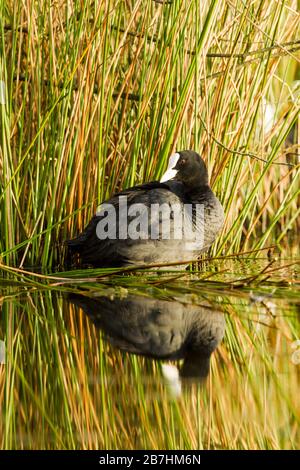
[159,329]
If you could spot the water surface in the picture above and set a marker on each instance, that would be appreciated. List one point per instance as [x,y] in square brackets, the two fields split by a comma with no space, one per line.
[153,361]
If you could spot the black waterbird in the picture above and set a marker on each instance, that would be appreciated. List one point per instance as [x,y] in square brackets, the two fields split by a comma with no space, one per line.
[183,185]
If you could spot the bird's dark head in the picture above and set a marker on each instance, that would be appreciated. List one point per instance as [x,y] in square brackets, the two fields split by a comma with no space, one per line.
[188,167]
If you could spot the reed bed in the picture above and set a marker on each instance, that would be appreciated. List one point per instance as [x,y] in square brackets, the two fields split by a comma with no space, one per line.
[96,95]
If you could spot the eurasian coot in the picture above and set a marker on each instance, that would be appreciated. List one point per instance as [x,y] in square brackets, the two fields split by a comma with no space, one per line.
[167,221]
[160,329]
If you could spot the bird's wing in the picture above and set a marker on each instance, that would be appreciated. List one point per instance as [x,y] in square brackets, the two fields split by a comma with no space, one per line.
[115,251]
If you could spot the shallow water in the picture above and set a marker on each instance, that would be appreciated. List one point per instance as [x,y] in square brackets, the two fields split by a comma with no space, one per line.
[154,361]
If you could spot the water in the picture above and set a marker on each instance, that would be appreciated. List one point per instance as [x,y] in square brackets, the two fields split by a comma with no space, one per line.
[153,361]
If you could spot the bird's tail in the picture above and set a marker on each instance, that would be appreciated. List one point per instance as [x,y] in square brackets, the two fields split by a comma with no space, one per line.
[74,244]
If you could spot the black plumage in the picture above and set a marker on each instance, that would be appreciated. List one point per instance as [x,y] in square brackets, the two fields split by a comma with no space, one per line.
[188,184]
[159,329]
